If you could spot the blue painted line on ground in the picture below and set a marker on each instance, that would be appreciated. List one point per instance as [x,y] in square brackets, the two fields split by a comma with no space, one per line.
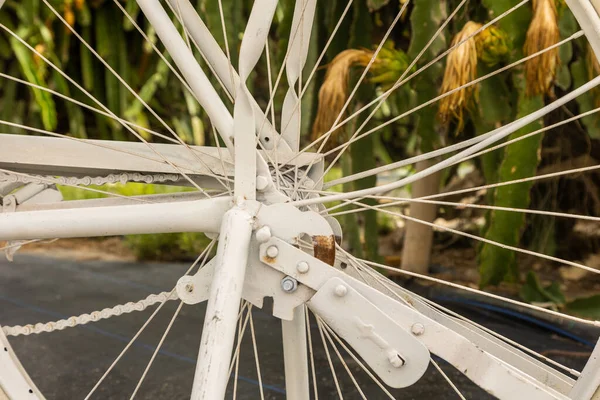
[519,315]
[125,339]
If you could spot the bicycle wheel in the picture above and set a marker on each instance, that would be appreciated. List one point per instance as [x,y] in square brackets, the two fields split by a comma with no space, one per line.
[265,200]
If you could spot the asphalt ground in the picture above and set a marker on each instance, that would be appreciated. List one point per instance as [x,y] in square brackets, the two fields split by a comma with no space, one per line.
[66,364]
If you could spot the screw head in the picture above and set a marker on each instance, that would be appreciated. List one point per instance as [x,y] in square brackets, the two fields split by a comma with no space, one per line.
[272,251]
[417,329]
[395,359]
[302,267]
[263,234]
[189,288]
[262,182]
[289,284]
[340,290]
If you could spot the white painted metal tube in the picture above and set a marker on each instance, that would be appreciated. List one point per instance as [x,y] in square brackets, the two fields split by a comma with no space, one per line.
[295,357]
[220,64]
[191,71]
[184,216]
[218,333]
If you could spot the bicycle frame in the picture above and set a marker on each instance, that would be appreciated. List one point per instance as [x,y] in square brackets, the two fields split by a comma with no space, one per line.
[190,214]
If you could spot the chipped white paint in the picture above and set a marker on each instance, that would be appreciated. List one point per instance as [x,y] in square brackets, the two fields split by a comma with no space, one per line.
[218,333]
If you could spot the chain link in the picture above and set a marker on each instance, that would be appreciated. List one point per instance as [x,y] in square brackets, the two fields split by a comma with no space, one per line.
[94,316]
[106,313]
[91,180]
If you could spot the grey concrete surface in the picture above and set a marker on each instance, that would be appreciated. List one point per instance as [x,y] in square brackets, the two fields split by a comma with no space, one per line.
[66,364]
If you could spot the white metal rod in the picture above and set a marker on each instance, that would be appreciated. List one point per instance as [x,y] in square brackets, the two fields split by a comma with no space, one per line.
[184,216]
[295,357]
[220,64]
[218,333]
[191,71]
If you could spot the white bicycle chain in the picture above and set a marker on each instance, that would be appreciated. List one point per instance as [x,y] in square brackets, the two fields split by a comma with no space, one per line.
[91,180]
[106,313]
[94,316]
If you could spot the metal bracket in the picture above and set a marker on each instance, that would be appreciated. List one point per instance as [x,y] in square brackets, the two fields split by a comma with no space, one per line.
[484,369]
[395,355]
[261,280]
[297,223]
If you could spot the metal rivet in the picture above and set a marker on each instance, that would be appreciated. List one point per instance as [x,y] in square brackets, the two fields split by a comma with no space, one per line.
[272,251]
[261,182]
[417,329]
[289,284]
[302,267]
[263,234]
[340,290]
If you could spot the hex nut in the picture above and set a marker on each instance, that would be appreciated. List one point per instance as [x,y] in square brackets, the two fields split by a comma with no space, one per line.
[261,182]
[289,284]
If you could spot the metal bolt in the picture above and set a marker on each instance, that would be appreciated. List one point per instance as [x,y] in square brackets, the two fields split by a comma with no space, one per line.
[263,234]
[395,359]
[262,182]
[308,183]
[417,329]
[302,267]
[189,288]
[289,284]
[340,290]
[272,251]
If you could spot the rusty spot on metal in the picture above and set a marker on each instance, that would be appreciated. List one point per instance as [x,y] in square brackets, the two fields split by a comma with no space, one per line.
[269,260]
[324,248]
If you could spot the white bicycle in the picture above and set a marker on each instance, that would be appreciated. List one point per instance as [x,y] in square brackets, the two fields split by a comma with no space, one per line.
[263,199]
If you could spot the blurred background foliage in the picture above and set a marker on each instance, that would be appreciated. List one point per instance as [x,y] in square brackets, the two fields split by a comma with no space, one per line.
[459,116]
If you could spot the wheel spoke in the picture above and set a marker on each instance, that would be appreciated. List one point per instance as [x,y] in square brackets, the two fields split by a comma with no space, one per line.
[447,378]
[202,258]
[236,361]
[311,353]
[360,363]
[438,58]
[495,136]
[243,308]
[87,106]
[485,240]
[390,287]
[480,292]
[449,149]
[61,72]
[337,352]
[356,136]
[478,188]
[107,146]
[160,343]
[255,348]
[396,201]
[330,362]
[138,98]
[357,86]
[398,82]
